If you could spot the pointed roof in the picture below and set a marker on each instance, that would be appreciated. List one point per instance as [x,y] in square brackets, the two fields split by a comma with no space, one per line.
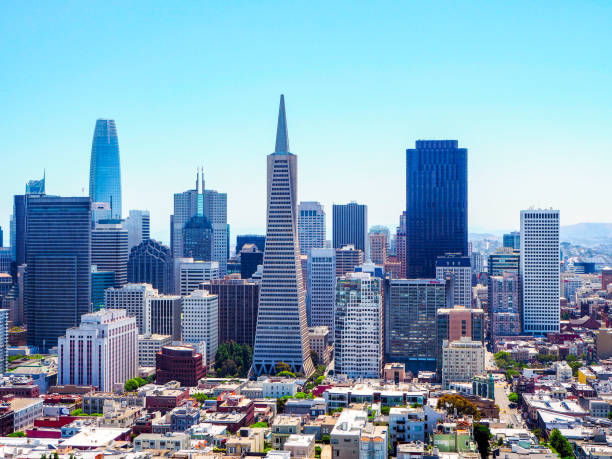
[282,137]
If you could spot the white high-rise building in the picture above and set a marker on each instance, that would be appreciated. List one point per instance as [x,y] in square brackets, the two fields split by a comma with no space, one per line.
[138,226]
[539,261]
[462,360]
[101,352]
[136,300]
[311,226]
[358,328]
[201,321]
[459,269]
[321,288]
[189,274]
[149,345]
[215,209]
[282,326]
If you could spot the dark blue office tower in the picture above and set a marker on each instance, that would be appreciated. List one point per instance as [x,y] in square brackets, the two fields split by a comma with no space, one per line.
[58,273]
[436,205]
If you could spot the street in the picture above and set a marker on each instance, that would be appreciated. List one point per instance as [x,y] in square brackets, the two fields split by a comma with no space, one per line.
[507,415]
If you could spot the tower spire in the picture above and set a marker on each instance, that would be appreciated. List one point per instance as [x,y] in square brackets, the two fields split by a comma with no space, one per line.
[282,137]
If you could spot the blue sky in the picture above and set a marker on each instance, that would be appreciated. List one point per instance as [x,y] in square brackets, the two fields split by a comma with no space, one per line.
[525,86]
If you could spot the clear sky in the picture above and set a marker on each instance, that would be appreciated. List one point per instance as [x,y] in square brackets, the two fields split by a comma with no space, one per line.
[525,86]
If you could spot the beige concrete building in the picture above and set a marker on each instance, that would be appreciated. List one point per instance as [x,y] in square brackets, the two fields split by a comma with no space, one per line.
[354,437]
[462,360]
[321,342]
[300,446]
[282,428]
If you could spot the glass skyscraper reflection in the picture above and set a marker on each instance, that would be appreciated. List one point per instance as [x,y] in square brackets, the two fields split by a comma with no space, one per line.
[104,169]
[436,204]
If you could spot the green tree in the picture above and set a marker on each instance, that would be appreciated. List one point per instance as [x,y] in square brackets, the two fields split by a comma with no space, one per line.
[326,439]
[482,434]
[513,397]
[281,366]
[200,397]
[286,374]
[301,395]
[131,385]
[140,381]
[259,424]
[233,359]
[560,444]
[452,402]
[17,434]
[317,451]
[385,410]
[319,380]
[281,402]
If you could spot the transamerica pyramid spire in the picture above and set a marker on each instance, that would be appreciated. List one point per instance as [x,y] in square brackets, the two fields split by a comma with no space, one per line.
[282,327]
[282,137]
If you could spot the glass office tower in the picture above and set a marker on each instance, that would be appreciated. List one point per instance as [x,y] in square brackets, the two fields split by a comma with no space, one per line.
[436,204]
[58,273]
[104,169]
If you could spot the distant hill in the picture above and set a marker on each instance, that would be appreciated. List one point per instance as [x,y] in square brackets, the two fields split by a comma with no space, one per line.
[587,233]
[481,236]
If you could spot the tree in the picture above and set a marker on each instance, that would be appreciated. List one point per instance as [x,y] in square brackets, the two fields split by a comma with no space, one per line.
[314,356]
[18,434]
[200,397]
[385,410]
[259,424]
[233,359]
[319,380]
[281,402]
[286,374]
[131,385]
[482,434]
[317,451]
[452,402]
[560,444]
[301,395]
[141,382]
[326,439]
[281,366]
[513,397]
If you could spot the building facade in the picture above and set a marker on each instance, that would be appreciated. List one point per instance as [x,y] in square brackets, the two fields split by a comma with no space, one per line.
[150,262]
[135,299]
[179,363]
[504,304]
[238,300]
[350,226]
[436,204]
[100,352]
[456,323]
[540,257]
[104,168]
[378,248]
[138,226]
[311,226]
[347,258]
[58,273]
[198,239]
[189,274]
[109,250]
[411,311]
[200,321]
[462,360]
[282,328]
[166,315]
[456,269]
[321,288]
[358,326]
[148,347]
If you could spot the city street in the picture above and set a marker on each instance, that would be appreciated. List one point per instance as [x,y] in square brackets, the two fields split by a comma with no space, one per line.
[506,414]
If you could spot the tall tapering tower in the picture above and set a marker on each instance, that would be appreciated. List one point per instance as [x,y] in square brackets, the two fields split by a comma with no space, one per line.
[282,329]
[104,168]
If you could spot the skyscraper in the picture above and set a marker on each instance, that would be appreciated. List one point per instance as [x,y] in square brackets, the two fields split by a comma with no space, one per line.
[104,168]
[18,219]
[346,259]
[350,226]
[258,240]
[540,270]
[215,210]
[504,261]
[200,321]
[58,274]
[185,207]
[358,326]
[311,226]
[282,329]
[100,352]
[378,248]
[138,226]
[455,323]
[109,250]
[436,204]
[512,240]
[457,269]
[150,262]
[238,299]
[411,310]
[504,304]
[322,288]
[198,239]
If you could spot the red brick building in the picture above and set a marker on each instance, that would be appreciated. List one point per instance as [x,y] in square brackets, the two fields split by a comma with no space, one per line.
[179,363]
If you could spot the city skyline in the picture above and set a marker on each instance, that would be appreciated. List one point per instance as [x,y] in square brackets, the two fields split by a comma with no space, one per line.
[513,126]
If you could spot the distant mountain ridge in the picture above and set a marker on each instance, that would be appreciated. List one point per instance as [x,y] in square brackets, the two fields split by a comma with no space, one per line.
[586,233]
